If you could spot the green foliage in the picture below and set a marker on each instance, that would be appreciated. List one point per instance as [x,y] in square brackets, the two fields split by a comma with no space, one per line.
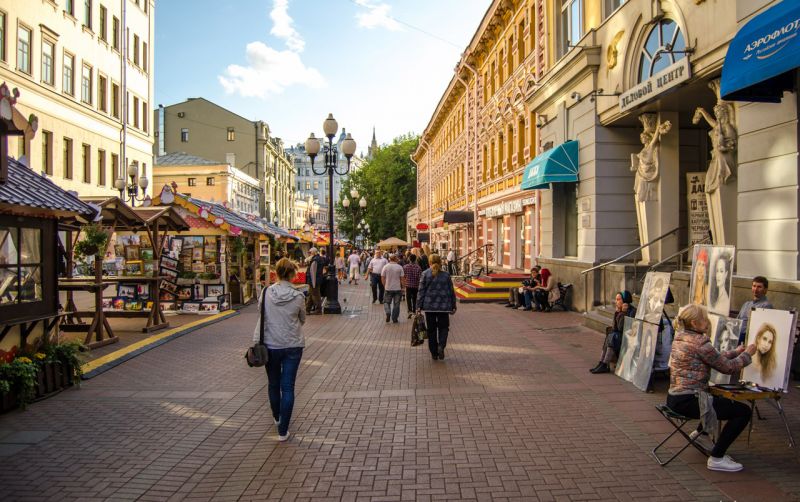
[237,246]
[20,374]
[69,353]
[93,243]
[187,274]
[389,182]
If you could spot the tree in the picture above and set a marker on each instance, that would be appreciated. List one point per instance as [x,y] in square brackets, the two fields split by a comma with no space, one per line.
[389,182]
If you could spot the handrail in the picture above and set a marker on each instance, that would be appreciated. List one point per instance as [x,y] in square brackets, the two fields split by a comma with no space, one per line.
[463,260]
[615,260]
[679,253]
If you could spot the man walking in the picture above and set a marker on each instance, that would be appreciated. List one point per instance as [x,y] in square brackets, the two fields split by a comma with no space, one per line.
[393,280]
[374,270]
[354,262]
[314,279]
[412,271]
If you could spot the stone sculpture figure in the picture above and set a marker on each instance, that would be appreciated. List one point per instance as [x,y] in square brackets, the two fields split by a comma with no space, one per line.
[645,163]
[723,140]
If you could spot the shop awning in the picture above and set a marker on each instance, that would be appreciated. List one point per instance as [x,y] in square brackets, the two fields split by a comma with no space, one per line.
[762,56]
[459,217]
[557,165]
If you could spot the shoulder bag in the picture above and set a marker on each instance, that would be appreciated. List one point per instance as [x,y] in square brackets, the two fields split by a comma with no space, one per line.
[257,355]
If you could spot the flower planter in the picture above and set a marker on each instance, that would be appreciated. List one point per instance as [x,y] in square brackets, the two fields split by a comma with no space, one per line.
[181,281]
[41,383]
[50,375]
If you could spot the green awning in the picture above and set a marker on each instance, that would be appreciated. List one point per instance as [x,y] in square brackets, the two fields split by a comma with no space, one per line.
[557,165]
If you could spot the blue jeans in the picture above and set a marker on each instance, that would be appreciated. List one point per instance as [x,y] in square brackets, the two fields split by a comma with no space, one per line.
[528,299]
[281,373]
[377,287]
[391,304]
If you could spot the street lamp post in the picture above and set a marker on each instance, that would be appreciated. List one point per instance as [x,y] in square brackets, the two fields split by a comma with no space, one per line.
[130,192]
[362,205]
[331,166]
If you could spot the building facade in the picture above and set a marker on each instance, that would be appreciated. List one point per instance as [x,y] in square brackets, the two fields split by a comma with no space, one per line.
[85,70]
[208,180]
[204,129]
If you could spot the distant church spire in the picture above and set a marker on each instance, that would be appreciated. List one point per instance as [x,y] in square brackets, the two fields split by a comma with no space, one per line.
[373,147]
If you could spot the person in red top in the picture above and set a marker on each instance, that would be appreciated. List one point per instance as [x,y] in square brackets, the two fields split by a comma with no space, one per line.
[412,273]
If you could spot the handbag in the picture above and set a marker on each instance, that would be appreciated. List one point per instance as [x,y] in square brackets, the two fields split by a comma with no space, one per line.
[418,330]
[257,355]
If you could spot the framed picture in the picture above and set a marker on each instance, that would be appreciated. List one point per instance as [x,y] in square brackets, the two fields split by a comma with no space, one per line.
[209,307]
[148,306]
[172,275]
[119,250]
[199,291]
[144,241]
[210,254]
[108,303]
[169,262]
[197,254]
[149,268]
[176,246]
[131,252]
[166,296]
[772,331]
[185,292]
[118,304]
[191,306]
[146,253]
[211,268]
[215,290]
[210,240]
[168,306]
[653,297]
[133,267]
[133,305]
[143,291]
[198,266]
[169,286]
[264,249]
[224,301]
[126,290]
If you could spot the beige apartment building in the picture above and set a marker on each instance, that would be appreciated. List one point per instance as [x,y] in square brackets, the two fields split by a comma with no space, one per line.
[84,69]
[204,129]
[208,180]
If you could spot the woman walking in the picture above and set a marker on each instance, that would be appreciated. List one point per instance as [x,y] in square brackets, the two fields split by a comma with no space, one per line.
[284,315]
[437,298]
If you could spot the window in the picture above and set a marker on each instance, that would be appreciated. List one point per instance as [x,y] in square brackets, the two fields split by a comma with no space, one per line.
[102,93]
[86,84]
[135,111]
[611,6]
[571,26]
[661,49]
[20,264]
[115,33]
[101,167]
[48,70]
[192,182]
[47,152]
[136,49]
[144,56]
[210,181]
[24,49]
[67,158]
[521,42]
[231,134]
[114,167]
[3,36]
[184,135]
[103,24]
[86,158]
[570,191]
[308,185]
[69,7]
[145,116]
[316,185]
[68,83]
[115,100]
[87,13]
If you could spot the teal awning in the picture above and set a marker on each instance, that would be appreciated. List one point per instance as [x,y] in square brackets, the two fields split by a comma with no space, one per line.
[557,165]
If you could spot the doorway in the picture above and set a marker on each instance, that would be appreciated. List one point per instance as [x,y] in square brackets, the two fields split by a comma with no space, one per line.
[519,262]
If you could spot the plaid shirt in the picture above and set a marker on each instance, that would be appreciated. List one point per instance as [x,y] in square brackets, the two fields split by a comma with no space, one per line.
[412,273]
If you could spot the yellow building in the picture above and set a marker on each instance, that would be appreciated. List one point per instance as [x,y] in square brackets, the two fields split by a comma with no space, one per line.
[66,60]
[208,180]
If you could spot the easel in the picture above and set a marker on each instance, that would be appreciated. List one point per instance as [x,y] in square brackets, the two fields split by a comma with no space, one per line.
[742,393]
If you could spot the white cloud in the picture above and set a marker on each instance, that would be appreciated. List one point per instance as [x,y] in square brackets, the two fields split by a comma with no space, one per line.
[270,71]
[376,16]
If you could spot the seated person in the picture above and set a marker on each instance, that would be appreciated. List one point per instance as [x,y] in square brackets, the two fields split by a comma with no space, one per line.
[522,296]
[691,361]
[759,289]
[623,307]
[547,292]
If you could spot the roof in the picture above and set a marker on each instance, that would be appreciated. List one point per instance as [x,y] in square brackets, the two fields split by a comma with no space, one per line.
[164,216]
[26,188]
[184,159]
[278,231]
[115,213]
[230,216]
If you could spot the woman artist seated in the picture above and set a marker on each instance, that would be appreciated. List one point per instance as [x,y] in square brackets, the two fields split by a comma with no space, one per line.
[623,307]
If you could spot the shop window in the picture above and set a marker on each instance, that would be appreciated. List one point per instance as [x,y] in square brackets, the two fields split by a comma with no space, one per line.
[661,49]
[566,206]
[20,265]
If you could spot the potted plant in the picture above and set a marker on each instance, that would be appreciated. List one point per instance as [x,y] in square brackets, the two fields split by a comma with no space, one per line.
[95,239]
[208,278]
[8,400]
[21,375]
[68,354]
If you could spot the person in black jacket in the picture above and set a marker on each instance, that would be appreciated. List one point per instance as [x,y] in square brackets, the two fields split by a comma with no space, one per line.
[314,278]
[437,298]
[623,304]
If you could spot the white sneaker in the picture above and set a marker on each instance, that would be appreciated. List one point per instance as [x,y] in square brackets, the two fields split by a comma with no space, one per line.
[288,434]
[724,464]
[693,435]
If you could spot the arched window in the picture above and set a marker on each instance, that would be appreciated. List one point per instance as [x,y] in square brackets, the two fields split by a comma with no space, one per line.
[661,49]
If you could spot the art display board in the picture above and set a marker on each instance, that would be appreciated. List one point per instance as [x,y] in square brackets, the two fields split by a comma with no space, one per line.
[654,294]
[635,362]
[772,331]
[711,281]
[724,335]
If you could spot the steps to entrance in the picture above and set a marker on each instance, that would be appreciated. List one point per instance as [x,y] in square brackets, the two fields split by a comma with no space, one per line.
[492,288]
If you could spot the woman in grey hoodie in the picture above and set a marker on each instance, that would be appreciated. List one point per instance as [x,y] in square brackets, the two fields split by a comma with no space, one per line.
[284,315]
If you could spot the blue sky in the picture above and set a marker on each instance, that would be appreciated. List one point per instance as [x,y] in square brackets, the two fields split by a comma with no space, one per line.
[291,62]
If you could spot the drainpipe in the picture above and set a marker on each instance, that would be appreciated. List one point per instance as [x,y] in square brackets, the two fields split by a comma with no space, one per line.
[474,151]
[428,182]
[123,35]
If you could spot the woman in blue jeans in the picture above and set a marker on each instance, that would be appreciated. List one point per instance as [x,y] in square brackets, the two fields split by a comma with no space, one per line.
[284,315]
[437,298]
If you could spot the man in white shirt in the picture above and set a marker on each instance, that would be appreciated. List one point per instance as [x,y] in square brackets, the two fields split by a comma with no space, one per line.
[374,270]
[393,281]
[354,260]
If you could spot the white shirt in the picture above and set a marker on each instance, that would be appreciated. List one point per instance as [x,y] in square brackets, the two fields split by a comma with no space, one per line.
[377,264]
[391,275]
[354,259]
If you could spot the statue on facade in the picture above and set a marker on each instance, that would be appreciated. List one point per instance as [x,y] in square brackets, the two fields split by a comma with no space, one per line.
[723,140]
[645,163]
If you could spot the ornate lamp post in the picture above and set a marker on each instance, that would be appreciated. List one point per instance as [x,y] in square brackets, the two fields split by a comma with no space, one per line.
[130,192]
[331,166]
[362,205]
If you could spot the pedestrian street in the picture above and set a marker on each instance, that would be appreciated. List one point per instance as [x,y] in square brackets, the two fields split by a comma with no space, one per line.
[512,413]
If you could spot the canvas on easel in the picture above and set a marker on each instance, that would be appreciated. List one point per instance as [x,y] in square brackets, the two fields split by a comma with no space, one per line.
[772,331]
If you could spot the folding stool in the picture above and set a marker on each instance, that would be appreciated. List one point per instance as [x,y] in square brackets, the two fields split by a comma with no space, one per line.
[678,421]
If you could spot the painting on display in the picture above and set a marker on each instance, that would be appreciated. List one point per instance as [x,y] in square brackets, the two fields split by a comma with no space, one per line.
[772,332]
[724,335]
[712,278]
[643,356]
[654,294]
[631,333]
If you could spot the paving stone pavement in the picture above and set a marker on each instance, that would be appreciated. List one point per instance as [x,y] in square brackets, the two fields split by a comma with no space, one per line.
[511,414]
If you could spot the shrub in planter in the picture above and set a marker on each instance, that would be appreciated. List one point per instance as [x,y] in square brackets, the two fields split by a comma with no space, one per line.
[70,357]
[21,375]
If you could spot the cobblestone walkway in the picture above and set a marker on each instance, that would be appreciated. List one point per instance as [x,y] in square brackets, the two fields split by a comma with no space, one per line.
[512,413]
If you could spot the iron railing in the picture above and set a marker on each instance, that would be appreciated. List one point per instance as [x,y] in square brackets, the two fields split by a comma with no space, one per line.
[467,262]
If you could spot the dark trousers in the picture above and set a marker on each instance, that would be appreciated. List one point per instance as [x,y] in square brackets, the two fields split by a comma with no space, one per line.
[411,299]
[737,415]
[282,367]
[314,300]
[438,325]
[377,287]
[540,299]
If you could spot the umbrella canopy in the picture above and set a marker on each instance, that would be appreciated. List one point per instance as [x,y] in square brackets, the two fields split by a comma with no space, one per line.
[392,242]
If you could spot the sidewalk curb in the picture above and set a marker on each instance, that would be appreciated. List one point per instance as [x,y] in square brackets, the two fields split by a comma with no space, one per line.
[105,363]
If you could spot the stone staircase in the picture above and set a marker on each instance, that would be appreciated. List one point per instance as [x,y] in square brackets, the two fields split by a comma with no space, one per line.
[491,288]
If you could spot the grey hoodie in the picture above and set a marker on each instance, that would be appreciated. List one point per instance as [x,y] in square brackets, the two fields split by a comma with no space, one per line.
[285,315]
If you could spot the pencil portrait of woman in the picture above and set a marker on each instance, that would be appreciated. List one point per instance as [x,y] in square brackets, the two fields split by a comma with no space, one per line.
[765,359]
[699,293]
[719,290]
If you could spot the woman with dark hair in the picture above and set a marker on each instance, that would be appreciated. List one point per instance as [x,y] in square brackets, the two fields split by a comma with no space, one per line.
[437,298]
[623,305]
[764,359]
[719,296]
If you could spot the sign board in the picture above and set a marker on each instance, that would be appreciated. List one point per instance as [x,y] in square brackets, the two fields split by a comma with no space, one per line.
[697,207]
[507,207]
[666,79]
